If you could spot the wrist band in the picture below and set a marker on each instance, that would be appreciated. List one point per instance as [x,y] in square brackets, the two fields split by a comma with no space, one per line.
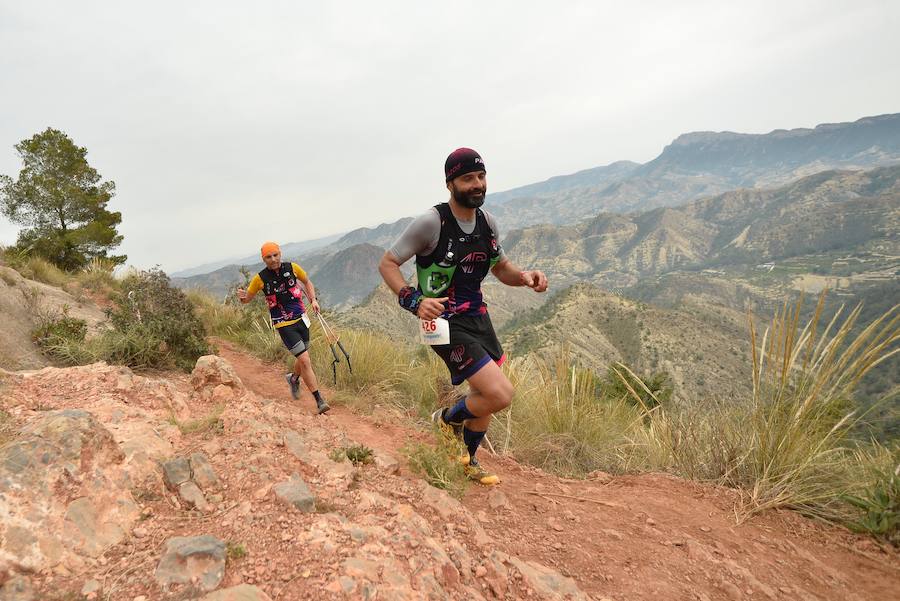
[409,298]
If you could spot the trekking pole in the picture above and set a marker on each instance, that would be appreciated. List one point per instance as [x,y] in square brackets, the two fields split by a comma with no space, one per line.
[334,339]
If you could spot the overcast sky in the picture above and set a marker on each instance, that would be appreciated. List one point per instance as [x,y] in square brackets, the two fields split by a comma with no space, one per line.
[224,124]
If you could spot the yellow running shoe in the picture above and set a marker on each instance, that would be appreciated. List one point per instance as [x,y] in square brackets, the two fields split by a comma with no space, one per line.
[450,430]
[475,472]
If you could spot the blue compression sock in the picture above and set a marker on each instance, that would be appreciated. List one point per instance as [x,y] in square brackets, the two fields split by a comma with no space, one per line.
[472,440]
[458,412]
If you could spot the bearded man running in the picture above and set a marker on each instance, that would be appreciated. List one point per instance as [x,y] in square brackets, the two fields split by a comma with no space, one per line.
[455,244]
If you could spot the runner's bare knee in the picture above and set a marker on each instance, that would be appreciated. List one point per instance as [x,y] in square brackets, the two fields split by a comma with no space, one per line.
[500,394]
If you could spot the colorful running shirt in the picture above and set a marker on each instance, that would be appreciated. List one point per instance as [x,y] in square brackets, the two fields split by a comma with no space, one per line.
[283,291]
[451,261]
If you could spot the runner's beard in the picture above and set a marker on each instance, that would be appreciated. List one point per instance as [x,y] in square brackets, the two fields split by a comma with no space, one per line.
[471,199]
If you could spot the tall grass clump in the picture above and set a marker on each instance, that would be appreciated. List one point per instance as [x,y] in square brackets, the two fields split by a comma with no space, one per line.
[560,422]
[797,434]
[35,267]
[98,275]
[384,371]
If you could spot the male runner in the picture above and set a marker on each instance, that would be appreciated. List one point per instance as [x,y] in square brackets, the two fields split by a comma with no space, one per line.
[455,245]
[280,283]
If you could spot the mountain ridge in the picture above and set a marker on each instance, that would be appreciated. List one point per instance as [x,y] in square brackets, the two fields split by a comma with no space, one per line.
[673,177]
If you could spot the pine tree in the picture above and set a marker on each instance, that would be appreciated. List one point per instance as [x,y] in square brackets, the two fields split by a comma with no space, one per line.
[60,201]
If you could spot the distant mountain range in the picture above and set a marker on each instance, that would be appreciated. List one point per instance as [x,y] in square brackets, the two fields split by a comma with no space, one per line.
[824,212]
[703,164]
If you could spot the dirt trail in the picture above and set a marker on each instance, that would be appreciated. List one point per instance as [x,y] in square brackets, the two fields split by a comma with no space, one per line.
[638,537]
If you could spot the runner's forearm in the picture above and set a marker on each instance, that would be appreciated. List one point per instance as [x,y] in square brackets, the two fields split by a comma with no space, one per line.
[310,290]
[508,273]
[390,271]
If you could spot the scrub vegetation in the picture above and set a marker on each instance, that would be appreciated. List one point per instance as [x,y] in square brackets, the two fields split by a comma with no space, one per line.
[794,443]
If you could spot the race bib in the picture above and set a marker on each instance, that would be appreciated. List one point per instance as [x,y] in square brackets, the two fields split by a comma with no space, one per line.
[305,319]
[434,331]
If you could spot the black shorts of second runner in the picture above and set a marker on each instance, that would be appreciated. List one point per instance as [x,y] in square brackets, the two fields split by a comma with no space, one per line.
[295,337]
[473,344]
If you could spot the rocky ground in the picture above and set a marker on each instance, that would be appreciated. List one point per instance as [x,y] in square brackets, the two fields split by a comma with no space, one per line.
[218,486]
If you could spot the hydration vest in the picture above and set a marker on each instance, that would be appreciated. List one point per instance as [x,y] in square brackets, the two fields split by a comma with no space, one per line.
[458,264]
[283,293]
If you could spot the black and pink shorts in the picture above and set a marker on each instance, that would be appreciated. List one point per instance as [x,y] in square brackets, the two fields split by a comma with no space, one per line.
[473,343]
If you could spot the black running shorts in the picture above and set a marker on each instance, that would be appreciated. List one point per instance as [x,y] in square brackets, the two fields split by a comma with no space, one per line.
[473,344]
[295,337]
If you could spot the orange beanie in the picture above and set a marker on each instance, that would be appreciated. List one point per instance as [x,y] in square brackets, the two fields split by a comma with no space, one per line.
[268,248]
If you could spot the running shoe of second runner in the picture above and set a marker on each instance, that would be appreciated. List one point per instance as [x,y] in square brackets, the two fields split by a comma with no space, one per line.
[322,406]
[294,383]
[475,472]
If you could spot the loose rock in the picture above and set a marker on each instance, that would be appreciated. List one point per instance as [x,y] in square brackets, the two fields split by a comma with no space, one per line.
[242,592]
[189,559]
[203,473]
[296,493]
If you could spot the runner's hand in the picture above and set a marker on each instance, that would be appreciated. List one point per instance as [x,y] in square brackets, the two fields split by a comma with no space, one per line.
[535,279]
[315,306]
[430,308]
[241,294]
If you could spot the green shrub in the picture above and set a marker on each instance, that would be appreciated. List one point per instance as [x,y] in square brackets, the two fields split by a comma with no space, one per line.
[878,503]
[152,325]
[645,391]
[235,551]
[438,465]
[147,306]
[52,328]
[359,454]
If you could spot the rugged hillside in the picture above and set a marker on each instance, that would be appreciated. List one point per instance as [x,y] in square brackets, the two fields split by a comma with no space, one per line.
[128,487]
[828,212]
[348,276]
[753,160]
[704,349]
[24,304]
[383,235]
[596,176]
[702,164]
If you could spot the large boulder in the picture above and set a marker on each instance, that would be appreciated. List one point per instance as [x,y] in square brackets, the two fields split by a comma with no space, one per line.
[214,375]
[64,494]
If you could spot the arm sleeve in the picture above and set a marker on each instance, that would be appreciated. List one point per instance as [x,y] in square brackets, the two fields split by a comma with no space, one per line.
[255,285]
[298,271]
[419,238]
[492,223]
